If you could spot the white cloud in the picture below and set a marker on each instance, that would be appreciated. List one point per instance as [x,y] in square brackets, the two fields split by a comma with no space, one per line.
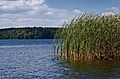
[20,5]
[77,11]
[31,13]
[49,12]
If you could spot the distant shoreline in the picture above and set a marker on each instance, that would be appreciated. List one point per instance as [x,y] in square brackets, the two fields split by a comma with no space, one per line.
[28,33]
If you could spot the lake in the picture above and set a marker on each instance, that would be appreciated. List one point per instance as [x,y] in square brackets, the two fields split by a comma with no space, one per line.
[33,59]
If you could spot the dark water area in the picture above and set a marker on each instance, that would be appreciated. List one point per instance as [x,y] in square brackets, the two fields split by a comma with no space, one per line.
[33,59]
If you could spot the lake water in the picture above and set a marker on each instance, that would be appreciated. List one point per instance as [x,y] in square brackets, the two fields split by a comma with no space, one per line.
[33,59]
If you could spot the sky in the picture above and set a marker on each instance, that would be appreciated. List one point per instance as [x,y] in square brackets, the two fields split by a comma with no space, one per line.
[49,13]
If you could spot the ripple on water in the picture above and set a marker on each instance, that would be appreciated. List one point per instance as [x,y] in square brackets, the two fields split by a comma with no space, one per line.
[35,62]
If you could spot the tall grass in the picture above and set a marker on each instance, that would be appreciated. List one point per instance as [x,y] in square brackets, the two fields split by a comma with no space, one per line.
[89,37]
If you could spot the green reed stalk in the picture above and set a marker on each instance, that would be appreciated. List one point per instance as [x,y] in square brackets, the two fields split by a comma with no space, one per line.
[89,37]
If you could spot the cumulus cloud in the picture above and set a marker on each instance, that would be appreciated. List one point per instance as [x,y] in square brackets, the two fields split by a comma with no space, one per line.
[20,5]
[32,12]
[77,11]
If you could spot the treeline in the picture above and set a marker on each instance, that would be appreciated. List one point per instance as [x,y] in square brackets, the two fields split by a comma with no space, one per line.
[28,33]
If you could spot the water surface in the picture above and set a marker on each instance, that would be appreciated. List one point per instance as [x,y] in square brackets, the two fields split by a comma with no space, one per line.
[33,59]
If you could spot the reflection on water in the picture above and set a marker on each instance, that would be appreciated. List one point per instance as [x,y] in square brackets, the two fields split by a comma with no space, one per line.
[32,59]
[94,70]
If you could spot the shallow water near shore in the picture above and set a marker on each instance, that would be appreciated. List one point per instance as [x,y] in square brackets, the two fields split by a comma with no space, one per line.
[33,59]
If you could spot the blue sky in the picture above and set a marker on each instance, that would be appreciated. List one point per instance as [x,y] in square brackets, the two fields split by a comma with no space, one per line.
[84,5]
[21,13]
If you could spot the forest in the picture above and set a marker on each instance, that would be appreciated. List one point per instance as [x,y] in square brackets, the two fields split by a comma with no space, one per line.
[28,33]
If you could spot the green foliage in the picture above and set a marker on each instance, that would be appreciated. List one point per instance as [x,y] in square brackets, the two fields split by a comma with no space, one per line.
[28,33]
[89,37]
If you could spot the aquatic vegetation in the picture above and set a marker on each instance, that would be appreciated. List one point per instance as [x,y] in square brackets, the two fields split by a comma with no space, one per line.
[89,36]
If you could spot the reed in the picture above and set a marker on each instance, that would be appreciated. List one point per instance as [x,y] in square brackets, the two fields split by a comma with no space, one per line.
[89,37]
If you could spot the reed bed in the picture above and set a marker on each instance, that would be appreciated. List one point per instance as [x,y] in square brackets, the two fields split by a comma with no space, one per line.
[89,37]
